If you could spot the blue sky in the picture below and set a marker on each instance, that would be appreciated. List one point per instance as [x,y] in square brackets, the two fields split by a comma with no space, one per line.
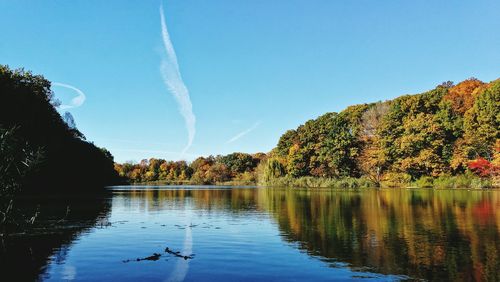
[253,68]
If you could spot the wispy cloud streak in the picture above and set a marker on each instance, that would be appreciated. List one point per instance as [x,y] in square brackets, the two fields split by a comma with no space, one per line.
[173,80]
[76,101]
[243,133]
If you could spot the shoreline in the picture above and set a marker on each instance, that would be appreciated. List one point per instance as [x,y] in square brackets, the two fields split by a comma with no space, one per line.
[443,182]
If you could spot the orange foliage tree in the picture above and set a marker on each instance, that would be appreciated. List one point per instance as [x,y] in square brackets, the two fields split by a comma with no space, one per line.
[462,95]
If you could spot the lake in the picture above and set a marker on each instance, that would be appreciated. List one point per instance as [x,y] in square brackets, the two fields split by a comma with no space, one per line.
[261,234]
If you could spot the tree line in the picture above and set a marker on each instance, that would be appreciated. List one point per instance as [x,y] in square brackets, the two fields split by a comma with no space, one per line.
[240,167]
[451,130]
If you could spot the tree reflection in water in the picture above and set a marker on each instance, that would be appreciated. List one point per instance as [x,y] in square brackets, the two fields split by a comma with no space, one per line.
[431,234]
[25,256]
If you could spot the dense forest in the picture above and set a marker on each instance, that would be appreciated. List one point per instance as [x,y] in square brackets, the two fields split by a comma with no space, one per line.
[238,167]
[448,136]
[42,153]
[41,150]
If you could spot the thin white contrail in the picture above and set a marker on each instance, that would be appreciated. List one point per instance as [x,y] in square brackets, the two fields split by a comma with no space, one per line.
[76,101]
[173,80]
[243,133]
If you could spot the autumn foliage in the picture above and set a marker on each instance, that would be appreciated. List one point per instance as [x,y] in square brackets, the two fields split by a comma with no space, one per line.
[436,133]
[203,170]
[445,131]
[482,167]
[462,95]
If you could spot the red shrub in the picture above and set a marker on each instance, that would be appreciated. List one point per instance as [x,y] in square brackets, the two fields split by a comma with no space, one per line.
[481,167]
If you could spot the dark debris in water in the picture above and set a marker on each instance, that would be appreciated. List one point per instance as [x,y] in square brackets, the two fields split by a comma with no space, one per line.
[178,254]
[186,226]
[157,256]
[207,225]
[105,223]
[153,257]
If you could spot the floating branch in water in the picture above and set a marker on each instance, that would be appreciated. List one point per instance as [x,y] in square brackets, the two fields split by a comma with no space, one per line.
[153,257]
[178,254]
[185,226]
[157,256]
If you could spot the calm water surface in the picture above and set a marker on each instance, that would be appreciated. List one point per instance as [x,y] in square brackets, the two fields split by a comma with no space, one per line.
[263,234]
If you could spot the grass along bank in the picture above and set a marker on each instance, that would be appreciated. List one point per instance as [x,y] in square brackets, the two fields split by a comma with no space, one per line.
[443,182]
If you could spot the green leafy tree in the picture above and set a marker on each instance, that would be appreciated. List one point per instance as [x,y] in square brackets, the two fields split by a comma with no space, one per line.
[482,123]
[238,162]
[273,169]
